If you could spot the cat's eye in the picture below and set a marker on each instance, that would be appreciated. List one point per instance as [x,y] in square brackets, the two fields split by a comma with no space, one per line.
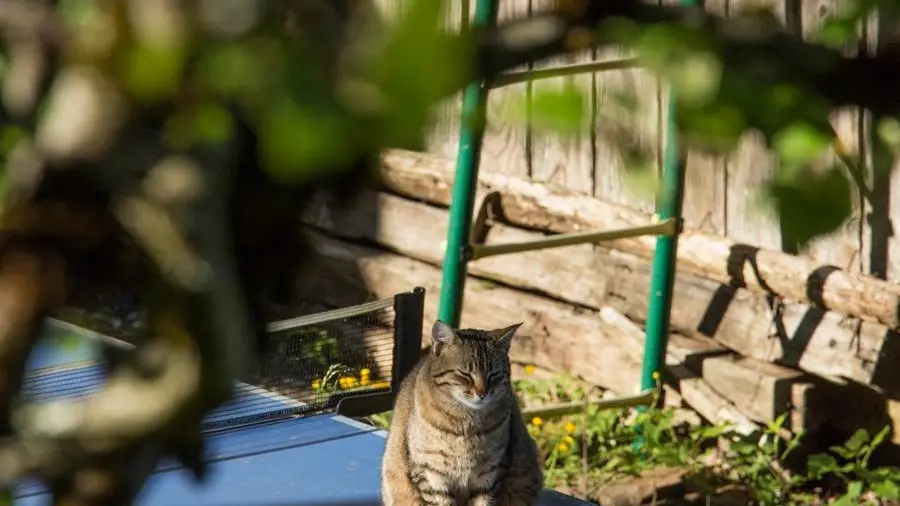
[464,378]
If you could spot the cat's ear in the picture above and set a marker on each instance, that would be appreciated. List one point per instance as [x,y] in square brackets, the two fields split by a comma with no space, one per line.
[442,334]
[504,336]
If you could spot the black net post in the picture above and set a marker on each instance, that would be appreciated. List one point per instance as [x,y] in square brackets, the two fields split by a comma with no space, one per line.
[408,310]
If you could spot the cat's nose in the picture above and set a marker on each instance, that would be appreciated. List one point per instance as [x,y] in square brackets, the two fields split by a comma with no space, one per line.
[478,388]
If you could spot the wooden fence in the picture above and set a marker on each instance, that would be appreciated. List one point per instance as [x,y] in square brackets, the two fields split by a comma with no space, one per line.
[721,194]
[824,352]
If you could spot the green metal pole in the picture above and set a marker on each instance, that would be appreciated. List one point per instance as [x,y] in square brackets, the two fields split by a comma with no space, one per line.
[662,277]
[462,199]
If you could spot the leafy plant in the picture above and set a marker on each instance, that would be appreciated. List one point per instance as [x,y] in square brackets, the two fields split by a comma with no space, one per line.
[862,483]
[600,446]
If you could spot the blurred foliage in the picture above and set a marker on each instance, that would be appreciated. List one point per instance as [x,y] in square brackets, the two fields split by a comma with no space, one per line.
[311,120]
[200,68]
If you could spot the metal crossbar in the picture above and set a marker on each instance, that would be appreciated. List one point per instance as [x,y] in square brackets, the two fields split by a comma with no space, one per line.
[521,76]
[462,247]
[645,398]
[667,227]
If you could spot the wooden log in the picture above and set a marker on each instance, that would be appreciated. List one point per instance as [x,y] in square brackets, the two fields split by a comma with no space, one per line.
[602,347]
[773,390]
[546,207]
[794,334]
[695,390]
[554,335]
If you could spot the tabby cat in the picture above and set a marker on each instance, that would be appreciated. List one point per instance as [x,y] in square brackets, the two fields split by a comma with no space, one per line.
[457,436]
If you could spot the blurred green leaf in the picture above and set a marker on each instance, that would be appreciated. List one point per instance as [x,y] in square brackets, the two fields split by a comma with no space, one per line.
[239,68]
[561,111]
[641,177]
[297,140]
[414,70]
[812,204]
[151,74]
[77,12]
[888,130]
[213,123]
[838,32]
[717,126]
[10,135]
[698,79]
[800,144]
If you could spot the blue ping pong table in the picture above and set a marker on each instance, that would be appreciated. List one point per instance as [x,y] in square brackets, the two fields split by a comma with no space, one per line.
[322,459]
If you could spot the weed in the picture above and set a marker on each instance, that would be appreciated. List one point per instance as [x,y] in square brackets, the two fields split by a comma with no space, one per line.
[596,447]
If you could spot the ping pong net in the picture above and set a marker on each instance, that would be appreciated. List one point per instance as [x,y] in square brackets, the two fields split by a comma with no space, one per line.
[349,360]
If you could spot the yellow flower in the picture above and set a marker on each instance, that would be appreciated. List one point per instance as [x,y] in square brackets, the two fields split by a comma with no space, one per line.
[536,421]
[570,427]
[563,447]
[347,382]
[364,375]
[655,375]
[568,440]
[529,370]
[316,384]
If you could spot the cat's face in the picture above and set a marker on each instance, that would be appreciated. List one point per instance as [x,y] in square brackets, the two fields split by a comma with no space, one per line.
[471,366]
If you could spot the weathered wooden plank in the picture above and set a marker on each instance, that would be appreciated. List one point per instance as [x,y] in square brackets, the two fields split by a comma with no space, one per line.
[567,160]
[705,201]
[747,220]
[595,277]
[505,146]
[843,246]
[766,390]
[545,207]
[704,192]
[627,123]
[884,217]
[443,136]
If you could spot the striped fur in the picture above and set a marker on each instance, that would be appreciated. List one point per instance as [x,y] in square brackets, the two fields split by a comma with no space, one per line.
[457,436]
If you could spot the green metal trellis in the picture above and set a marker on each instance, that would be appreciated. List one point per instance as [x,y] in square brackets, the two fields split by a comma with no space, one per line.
[463,247]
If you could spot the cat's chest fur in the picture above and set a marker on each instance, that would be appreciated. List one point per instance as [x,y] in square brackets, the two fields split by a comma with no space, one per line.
[467,457]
